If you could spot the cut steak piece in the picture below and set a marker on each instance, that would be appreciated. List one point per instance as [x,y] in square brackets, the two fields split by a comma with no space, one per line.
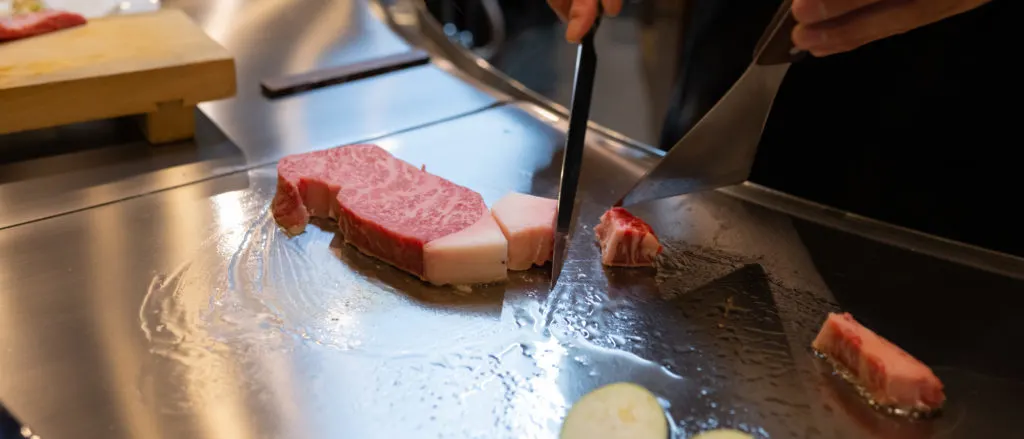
[529,226]
[889,375]
[37,23]
[626,241]
[389,209]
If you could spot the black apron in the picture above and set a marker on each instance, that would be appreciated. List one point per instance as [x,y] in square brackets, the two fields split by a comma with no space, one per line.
[920,129]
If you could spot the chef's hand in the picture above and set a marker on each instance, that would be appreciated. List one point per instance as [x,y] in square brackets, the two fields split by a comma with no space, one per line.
[581,14]
[826,27]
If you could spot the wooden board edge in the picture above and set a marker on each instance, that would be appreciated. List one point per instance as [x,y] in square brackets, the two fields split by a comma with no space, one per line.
[47,105]
[216,50]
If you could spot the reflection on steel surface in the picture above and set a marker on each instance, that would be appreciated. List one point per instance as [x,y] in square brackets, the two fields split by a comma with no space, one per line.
[75,289]
[271,38]
[510,357]
[246,333]
[51,172]
[411,20]
[432,355]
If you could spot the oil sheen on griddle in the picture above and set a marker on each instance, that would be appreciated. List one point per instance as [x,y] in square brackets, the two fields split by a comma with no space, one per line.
[343,333]
[851,379]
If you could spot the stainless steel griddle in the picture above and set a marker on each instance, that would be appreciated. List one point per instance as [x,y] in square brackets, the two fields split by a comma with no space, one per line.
[181,311]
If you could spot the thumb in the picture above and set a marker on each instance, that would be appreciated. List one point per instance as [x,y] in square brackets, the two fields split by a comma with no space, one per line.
[582,14]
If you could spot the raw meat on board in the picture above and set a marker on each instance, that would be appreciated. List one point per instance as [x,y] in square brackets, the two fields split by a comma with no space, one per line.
[37,23]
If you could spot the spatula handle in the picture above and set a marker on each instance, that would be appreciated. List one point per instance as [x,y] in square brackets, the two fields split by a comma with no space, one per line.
[776,44]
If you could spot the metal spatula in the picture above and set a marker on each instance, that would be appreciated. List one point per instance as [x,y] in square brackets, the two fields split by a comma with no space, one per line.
[719,150]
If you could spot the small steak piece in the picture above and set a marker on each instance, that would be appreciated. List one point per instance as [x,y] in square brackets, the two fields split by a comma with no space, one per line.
[889,375]
[529,226]
[626,241]
[37,23]
[396,212]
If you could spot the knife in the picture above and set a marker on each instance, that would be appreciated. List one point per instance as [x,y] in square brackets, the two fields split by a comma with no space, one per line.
[720,149]
[11,427]
[572,156]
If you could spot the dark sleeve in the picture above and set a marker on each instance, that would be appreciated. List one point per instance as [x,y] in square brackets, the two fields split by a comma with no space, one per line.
[920,129]
[718,38]
[913,130]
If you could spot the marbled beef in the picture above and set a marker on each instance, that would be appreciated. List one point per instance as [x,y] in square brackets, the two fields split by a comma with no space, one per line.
[396,212]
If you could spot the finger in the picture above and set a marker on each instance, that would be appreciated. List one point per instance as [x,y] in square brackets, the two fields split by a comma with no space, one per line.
[875,22]
[561,8]
[582,14]
[817,11]
[612,8]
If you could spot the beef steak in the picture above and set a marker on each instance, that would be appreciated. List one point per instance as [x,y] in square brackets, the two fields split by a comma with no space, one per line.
[389,209]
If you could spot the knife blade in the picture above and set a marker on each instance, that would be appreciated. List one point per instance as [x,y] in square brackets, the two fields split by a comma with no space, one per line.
[11,427]
[572,156]
[720,149]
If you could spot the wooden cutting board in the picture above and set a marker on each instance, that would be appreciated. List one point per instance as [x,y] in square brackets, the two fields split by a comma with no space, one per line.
[157,65]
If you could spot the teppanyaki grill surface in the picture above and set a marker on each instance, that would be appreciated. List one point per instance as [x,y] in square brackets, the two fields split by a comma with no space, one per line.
[946,314]
[959,320]
[306,337]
